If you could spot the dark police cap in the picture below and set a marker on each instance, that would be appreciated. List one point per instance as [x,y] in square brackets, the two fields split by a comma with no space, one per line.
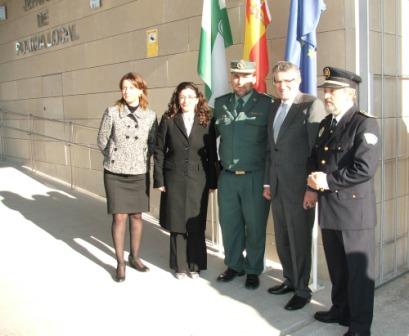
[339,78]
[242,66]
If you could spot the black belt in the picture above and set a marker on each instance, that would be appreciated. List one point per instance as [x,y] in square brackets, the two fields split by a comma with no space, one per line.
[125,175]
[237,172]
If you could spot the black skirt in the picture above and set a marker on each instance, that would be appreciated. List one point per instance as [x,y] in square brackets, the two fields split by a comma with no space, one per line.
[126,194]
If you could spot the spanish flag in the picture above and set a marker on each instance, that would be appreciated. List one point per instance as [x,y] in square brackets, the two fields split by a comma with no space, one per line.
[255,40]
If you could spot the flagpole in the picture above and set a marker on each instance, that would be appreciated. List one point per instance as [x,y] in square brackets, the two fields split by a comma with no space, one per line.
[301,48]
[215,37]
[314,269]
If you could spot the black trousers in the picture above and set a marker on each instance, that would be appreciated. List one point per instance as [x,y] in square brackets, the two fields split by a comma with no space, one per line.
[351,262]
[188,251]
[293,235]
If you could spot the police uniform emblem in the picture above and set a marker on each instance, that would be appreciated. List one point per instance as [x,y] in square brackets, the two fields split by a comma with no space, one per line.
[321,131]
[327,72]
[241,65]
[371,139]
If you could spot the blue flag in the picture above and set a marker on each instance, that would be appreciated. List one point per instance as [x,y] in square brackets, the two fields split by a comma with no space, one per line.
[302,41]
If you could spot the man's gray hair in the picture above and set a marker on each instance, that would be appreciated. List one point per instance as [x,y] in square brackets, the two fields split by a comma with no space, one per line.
[284,66]
[353,93]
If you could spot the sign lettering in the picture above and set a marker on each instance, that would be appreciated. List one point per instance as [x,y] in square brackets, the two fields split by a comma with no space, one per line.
[30,4]
[48,39]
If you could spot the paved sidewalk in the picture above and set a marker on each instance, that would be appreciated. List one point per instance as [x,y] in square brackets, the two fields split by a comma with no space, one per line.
[56,278]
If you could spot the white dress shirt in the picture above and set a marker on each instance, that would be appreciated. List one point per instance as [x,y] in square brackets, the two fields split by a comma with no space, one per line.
[188,119]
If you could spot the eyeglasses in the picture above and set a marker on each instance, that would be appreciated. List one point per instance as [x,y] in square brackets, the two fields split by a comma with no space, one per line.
[187,97]
[284,81]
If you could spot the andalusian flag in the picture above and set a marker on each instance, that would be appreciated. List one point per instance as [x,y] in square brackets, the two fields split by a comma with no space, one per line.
[255,40]
[215,36]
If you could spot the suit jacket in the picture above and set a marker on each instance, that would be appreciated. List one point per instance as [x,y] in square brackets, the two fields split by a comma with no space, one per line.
[243,138]
[349,156]
[185,165]
[286,161]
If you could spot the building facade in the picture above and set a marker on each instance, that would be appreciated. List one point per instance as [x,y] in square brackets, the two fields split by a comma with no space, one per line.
[61,60]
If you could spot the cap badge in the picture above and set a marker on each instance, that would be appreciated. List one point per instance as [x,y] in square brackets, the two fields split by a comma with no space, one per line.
[241,65]
[327,72]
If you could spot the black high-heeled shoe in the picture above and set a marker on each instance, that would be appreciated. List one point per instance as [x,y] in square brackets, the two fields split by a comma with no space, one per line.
[120,272]
[138,266]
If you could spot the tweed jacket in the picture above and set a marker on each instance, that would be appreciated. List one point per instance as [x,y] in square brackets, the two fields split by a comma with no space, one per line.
[127,139]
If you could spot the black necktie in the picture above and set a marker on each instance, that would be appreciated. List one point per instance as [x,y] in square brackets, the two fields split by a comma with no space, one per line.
[333,125]
[239,107]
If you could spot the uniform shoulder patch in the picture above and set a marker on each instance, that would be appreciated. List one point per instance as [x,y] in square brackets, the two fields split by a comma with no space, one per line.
[371,139]
[266,95]
[366,114]
[225,96]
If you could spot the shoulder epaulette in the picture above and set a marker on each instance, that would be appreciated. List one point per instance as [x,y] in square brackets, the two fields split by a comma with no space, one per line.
[366,114]
[266,95]
[225,95]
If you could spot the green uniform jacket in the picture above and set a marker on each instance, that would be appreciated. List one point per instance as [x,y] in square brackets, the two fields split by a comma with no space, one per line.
[243,140]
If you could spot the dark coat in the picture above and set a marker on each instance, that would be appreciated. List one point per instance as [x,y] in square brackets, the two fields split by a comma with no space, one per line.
[347,211]
[350,157]
[186,167]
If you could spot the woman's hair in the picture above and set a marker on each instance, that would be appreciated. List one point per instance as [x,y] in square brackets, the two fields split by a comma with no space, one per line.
[202,109]
[138,82]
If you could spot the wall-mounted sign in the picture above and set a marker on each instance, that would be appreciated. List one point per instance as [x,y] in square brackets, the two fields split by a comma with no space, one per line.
[152,43]
[42,18]
[30,4]
[95,3]
[48,39]
[3,14]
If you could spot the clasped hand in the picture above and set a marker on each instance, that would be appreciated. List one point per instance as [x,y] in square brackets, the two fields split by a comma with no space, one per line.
[317,181]
[310,199]
[309,202]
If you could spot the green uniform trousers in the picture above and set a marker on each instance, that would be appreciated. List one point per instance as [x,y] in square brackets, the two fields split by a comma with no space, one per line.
[243,215]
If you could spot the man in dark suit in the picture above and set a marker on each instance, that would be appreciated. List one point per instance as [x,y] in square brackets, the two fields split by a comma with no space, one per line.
[241,122]
[342,165]
[292,129]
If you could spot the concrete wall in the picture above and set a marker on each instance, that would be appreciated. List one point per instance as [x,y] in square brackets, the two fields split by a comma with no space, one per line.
[76,80]
[389,43]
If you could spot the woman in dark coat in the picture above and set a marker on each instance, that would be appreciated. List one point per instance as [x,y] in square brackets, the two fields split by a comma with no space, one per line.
[184,172]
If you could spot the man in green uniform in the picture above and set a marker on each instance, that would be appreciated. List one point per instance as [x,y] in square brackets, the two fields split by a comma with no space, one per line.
[241,122]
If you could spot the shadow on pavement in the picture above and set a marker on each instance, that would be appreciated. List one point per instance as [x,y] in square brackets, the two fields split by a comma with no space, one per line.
[71,217]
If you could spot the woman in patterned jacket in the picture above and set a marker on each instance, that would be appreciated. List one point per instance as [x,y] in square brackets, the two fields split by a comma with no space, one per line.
[126,138]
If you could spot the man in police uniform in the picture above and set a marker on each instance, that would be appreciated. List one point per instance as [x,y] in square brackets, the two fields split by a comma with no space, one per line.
[241,122]
[342,165]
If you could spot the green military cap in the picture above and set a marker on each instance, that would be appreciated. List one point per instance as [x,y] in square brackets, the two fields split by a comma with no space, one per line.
[242,66]
[339,78]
